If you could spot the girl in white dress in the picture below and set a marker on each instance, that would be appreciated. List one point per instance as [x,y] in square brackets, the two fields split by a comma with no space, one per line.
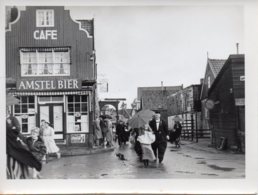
[47,134]
[146,139]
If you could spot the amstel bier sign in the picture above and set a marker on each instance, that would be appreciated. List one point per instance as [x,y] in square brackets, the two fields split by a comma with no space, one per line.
[44,85]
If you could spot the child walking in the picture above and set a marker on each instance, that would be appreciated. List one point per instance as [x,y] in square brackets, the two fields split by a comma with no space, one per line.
[146,139]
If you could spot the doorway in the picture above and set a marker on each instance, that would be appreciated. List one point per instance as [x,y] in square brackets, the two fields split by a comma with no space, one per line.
[53,113]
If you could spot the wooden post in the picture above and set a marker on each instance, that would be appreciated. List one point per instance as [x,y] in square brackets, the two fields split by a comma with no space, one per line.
[196,127]
[192,127]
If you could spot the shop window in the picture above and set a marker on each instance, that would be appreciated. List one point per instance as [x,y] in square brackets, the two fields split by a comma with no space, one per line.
[45,18]
[77,119]
[51,99]
[25,113]
[45,62]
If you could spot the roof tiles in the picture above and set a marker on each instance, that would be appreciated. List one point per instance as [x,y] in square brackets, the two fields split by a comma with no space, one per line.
[216,65]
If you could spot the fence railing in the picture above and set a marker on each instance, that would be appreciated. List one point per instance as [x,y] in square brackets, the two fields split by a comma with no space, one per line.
[195,134]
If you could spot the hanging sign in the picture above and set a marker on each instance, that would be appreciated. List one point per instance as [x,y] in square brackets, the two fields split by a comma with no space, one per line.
[42,85]
[209,104]
[239,101]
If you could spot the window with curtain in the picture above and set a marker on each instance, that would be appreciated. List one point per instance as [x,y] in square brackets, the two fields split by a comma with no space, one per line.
[44,18]
[45,62]
[25,113]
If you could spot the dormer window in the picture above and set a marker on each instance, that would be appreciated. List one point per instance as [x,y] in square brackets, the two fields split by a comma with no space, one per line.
[45,18]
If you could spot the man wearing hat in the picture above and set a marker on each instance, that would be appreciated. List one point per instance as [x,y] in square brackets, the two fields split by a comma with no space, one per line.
[159,128]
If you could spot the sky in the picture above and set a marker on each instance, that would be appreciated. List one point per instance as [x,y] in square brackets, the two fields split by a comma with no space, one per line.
[142,46]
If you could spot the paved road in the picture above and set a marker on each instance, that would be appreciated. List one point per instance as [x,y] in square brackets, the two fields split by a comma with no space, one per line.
[186,162]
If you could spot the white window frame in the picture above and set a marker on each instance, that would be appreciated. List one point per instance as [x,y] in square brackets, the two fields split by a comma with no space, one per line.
[53,63]
[72,116]
[19,115]
[52,23]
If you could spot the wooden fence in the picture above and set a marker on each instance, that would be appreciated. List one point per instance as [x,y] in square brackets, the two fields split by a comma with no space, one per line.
[191,132]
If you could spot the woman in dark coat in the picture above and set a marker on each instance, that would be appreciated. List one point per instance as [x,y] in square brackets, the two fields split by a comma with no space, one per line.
[19,158]
[177,133]
[121,133]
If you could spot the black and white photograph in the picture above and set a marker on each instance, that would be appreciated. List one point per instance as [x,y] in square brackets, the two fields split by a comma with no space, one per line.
[125,92]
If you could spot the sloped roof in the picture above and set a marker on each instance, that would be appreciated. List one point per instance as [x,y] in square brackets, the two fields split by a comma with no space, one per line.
[216,65]
[228,63]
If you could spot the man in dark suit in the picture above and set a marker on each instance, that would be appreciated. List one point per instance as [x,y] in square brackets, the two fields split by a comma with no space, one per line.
[159,128]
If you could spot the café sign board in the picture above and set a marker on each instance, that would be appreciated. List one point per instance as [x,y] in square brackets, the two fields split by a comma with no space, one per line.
[44,85]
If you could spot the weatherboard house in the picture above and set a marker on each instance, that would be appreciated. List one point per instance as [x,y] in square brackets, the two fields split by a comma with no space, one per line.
[50,67]
[226,104]
[213,68]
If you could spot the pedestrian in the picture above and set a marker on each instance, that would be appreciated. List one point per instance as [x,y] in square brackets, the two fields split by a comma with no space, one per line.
[20,161]
[47,134]
[159,127]
[146,139]
[109,133]
[97,132]
[120,132]
[177,133]
[103,130]
[36,147]
[135,133]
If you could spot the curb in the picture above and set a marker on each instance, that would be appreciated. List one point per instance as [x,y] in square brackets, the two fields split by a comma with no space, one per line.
[65,152]
[208,149]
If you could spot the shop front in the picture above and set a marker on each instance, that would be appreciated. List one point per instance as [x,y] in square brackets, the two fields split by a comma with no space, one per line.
[50,67]
[67,111]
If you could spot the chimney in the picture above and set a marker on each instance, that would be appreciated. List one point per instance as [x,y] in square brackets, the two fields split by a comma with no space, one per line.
[161,85]
[237,47]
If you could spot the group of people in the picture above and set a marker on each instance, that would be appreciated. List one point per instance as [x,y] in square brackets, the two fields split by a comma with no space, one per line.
[25,155]
[103,132]
[151,139]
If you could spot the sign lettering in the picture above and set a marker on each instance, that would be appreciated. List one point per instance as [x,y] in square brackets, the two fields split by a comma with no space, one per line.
[48,84]
[45,34]
[77,138]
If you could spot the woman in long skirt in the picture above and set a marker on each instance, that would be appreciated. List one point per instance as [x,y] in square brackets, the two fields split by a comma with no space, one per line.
[109,133]
[47,134]
[146,140]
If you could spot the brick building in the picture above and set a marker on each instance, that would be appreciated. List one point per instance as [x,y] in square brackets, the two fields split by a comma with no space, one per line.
[155,98]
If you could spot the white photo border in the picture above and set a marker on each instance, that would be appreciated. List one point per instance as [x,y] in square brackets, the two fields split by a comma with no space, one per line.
[190,186]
